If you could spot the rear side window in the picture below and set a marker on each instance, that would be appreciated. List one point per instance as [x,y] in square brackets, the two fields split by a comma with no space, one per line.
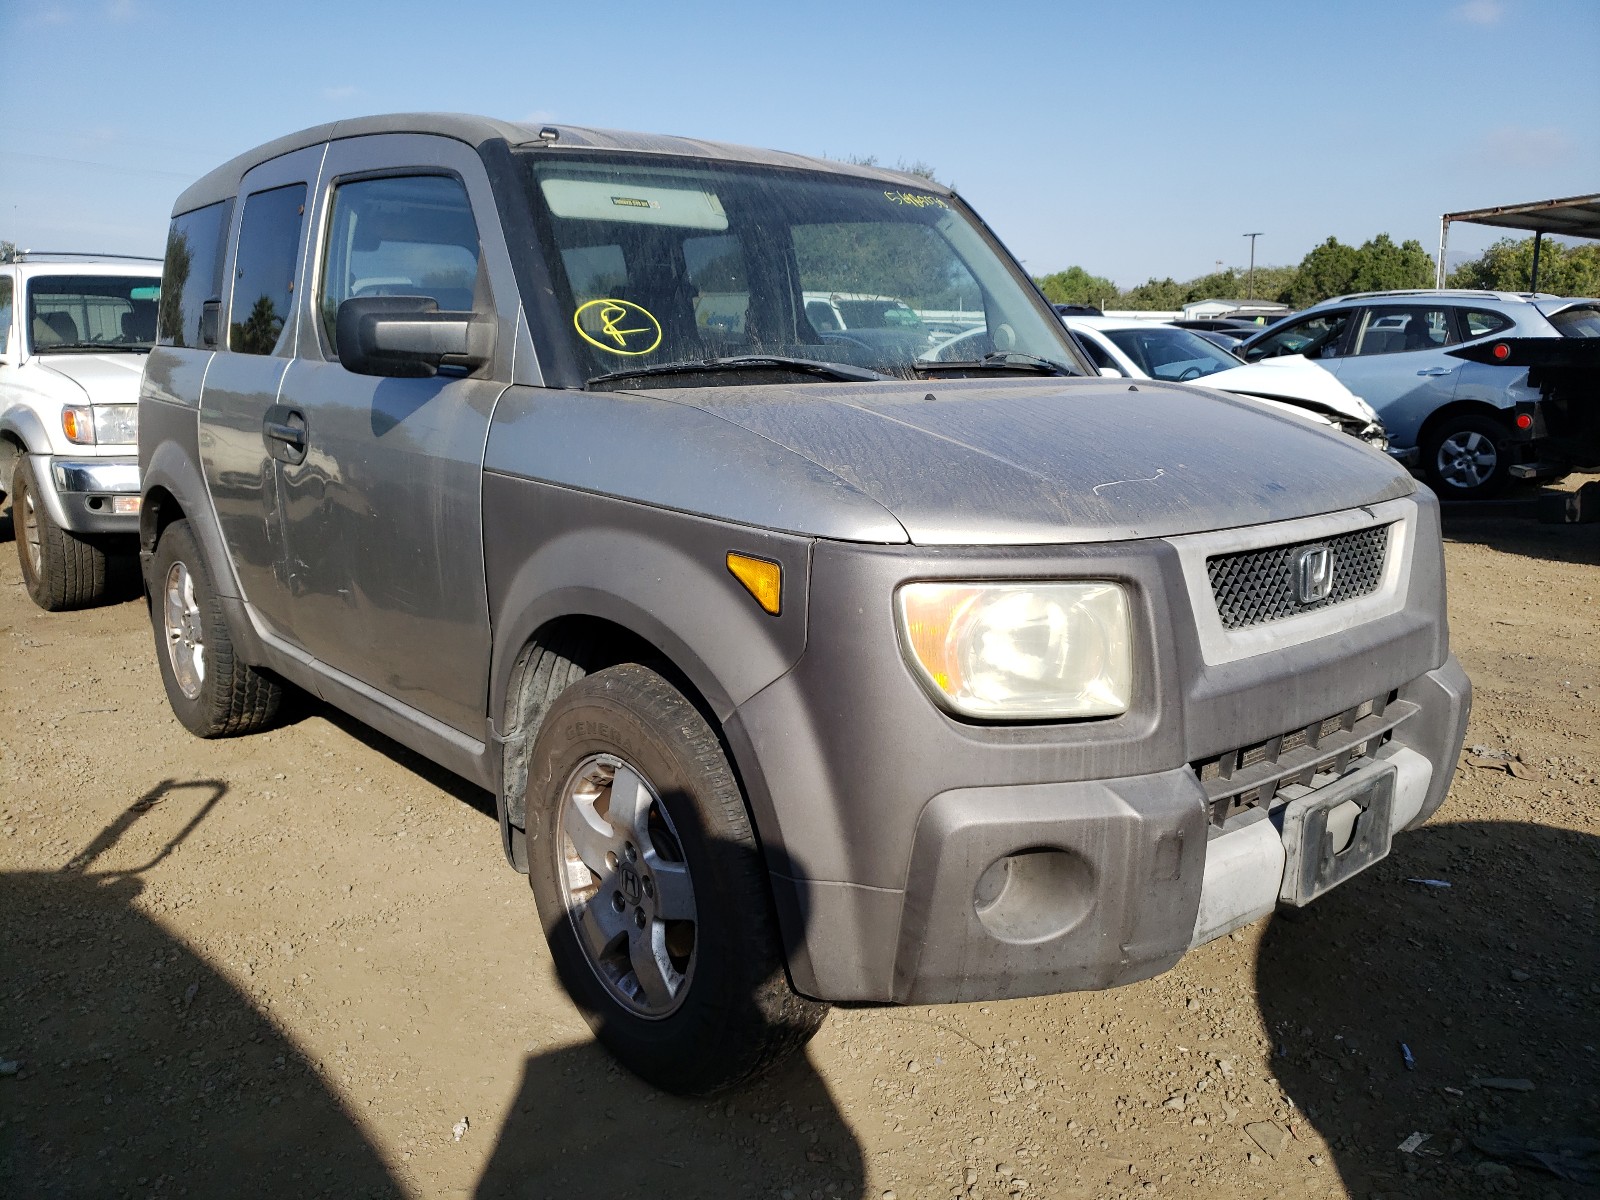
[5,313]
[192,272]
[1475,324]
[1580,321]
[263,285]
[400,236]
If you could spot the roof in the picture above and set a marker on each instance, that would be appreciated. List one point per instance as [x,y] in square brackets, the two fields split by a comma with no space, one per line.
[86,264]
[1443,294]
[1575,216]
[1114,324]
[223,182]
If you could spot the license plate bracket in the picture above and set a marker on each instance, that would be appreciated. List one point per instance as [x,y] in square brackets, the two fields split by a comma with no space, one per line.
[1318,855]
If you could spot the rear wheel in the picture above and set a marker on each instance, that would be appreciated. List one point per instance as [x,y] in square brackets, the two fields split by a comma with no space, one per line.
[652,890]
[1465,457]
[59,569]
[212,693]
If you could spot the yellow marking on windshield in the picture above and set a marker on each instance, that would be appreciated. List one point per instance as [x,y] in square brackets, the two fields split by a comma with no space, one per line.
[604,317]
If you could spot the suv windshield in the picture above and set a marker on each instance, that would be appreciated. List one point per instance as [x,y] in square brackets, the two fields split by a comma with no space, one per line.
[92,313]
[661,263]
[1172,354]
[1579,321]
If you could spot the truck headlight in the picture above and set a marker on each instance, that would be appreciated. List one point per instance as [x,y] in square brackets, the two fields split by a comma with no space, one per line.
[116,424]
[1020,651]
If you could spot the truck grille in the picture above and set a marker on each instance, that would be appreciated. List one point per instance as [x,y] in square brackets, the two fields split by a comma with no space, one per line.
[1280,768]
[1253,587]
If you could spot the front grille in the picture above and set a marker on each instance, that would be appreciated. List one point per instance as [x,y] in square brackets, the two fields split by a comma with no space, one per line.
[1278,769]
[1253,587]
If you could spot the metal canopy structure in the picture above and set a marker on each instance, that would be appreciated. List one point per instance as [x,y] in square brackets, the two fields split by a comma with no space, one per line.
[1574,216]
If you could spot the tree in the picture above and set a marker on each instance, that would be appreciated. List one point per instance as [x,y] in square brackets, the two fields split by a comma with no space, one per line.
[1329,270]
[8,250]
[1507,266]
[1382,266]
[1076,286]
[1160,294]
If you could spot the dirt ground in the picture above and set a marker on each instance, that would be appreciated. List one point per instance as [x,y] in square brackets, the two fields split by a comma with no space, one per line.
[296,964]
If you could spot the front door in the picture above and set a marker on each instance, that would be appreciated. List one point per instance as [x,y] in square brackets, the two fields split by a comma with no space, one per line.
[384,514]
[241,446]
[1396,362]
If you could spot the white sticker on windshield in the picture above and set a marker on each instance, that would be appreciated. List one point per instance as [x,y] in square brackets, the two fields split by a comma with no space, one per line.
[636,204]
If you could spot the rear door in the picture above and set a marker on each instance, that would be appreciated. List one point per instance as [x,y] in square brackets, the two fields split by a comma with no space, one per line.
[1395,360]
[238,447]
[384,512]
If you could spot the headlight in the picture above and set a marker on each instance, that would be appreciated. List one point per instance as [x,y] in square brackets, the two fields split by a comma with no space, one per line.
[1015,651]
[116,424]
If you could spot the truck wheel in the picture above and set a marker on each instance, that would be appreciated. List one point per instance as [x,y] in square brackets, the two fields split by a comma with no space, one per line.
[1465,457]
[651,888]
[212,693]
[59,569]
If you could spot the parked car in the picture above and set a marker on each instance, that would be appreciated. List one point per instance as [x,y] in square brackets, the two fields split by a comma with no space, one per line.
[1156,350]
[1237,325]
[74,332]
[1076,310]
[1394,350]
[869,321]
[802,669]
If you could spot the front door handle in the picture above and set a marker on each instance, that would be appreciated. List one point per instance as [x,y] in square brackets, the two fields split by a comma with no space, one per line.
[1436,371]
[286,432]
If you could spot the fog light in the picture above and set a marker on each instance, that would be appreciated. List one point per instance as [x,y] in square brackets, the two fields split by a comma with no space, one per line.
[1034,895]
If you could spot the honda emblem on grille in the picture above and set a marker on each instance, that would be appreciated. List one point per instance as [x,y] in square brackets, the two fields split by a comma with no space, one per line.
[1313,574]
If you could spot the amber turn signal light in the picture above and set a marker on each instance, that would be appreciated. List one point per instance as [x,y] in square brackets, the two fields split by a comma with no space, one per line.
[762,579]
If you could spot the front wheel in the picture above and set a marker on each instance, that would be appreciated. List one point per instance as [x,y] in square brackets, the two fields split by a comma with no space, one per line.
[651,888]
[1465,457]
[60,569]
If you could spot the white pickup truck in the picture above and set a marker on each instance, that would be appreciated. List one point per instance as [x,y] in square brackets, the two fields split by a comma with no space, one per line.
[74,333]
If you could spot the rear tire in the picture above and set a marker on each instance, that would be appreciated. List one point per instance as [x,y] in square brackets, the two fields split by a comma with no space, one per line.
[59,569]
[212,693]
[1466,457]
[652,890]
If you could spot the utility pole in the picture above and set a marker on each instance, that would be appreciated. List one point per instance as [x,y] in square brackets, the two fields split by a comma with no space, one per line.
[1250,285]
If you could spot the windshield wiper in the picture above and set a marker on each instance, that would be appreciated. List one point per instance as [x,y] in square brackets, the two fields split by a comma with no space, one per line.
[748,362]
[997,360]
[97,347]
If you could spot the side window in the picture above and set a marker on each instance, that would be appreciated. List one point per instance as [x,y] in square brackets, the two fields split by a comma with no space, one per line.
[5,313]
[1096,352]
[263,284]
[1398,329]
[1477,324]
[401,235]
[1315,337]
[192,272]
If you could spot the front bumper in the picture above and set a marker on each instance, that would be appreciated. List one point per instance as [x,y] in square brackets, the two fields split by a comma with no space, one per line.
[1407,457]
[90,495]
[916,859]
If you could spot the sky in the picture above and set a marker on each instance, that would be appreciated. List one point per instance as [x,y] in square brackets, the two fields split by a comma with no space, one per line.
[1134,139]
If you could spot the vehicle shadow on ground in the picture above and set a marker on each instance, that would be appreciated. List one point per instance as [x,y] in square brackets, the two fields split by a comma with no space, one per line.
[1492,978]
[143,1071]
[581,1126]
[1513,527]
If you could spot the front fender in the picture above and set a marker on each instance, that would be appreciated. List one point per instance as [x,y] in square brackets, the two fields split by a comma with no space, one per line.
[552,552]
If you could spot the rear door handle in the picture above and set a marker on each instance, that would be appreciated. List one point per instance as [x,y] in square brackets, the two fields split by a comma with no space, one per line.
[285,431]
[1436,371]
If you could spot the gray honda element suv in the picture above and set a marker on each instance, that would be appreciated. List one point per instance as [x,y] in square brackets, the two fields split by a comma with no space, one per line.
[905,662]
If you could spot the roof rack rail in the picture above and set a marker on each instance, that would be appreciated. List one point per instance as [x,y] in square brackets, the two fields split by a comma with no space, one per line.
[46,255]
[1483,293]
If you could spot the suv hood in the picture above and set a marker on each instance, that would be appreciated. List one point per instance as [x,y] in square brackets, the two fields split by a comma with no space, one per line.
[107,378]
[1029,462]
[1295,379]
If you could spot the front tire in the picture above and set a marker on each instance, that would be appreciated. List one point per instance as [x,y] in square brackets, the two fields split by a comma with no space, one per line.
[652,890]
[212,693]
[59,569]
[1467,458]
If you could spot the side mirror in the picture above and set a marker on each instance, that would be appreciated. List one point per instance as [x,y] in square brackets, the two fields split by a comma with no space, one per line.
[407,337]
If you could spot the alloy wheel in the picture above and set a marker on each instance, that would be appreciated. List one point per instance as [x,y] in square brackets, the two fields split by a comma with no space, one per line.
[186,646]
[1467,459]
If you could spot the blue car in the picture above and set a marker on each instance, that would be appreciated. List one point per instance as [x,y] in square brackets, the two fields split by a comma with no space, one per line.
[1390,348]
